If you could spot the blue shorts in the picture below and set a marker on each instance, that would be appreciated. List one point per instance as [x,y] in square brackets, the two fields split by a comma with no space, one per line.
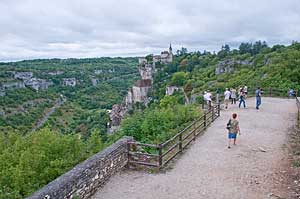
[232,135]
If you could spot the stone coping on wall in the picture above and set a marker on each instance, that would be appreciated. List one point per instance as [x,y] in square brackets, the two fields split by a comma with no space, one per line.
[85,178]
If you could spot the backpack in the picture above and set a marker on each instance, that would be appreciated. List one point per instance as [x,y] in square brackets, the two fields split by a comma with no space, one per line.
[228,125]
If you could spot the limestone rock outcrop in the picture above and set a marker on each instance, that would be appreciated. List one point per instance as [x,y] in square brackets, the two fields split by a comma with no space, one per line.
[229,65]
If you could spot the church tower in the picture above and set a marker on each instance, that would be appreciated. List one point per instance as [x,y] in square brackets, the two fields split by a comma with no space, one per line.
[170,57]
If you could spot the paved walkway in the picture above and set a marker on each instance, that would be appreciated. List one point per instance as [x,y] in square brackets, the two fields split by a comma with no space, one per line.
[209,170]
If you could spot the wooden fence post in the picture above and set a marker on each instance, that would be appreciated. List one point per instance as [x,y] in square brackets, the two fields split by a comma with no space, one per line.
[180,142]
[128,155]
[204,120]
[212,114]
[194,134]
[219,109]
[270,92]
[160,160]
[203,101]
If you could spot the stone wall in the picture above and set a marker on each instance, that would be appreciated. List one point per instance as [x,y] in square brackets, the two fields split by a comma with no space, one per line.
[85,178]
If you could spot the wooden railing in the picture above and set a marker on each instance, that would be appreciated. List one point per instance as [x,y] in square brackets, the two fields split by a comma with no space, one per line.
[158,155]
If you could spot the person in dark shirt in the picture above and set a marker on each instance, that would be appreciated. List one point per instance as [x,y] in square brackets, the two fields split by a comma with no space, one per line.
[258,97]
[242,98]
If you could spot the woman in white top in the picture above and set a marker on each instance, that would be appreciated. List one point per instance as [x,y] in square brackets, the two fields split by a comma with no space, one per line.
[226,97]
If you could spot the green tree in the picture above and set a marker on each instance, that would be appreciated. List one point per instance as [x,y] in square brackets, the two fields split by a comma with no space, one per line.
[168,101]
[179,78]
[245,48]
[182,51]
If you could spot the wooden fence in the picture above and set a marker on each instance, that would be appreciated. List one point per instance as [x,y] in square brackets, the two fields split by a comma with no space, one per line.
[158,155]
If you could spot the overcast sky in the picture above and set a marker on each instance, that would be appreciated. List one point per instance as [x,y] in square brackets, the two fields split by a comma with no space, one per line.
[93,28]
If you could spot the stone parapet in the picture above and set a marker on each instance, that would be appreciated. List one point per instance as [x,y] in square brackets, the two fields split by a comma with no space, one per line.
[84,179]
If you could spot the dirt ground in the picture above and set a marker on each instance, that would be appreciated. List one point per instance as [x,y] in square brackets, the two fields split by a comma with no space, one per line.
[258,167]
[293,174]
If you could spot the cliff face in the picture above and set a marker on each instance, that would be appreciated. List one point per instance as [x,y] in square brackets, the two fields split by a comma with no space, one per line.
[229,65]
[139,91]
[146,72]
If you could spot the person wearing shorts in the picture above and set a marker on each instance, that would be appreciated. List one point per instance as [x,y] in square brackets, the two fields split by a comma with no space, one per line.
[233,130]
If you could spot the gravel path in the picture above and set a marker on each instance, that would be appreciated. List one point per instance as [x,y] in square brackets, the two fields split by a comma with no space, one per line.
[209,170]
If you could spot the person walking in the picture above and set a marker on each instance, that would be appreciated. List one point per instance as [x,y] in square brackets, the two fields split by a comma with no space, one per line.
[226,97]
[207,97]
[233,96]
[242,98]
[258,97]
[233,129]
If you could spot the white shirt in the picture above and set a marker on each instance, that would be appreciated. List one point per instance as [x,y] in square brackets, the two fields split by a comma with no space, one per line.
[207,97]
[233,93]
[227,94]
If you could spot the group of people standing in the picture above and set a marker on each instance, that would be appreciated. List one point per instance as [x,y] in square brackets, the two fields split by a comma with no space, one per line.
[232,95]
[233,124]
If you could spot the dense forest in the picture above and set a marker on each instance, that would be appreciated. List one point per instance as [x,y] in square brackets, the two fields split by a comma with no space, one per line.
[77,129]
[84,109]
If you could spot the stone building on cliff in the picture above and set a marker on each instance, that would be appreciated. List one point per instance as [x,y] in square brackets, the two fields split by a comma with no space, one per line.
[164,57]
[171,89]
[140,89]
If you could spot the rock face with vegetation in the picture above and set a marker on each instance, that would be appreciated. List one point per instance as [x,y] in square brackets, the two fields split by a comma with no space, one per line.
[78,128]
[230,65]
[87,102]
[139,91]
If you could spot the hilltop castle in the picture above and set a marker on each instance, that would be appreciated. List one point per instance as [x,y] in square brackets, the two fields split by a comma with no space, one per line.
[164,57]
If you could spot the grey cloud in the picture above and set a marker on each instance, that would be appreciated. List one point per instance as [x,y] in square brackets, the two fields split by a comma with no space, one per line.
[93,28]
